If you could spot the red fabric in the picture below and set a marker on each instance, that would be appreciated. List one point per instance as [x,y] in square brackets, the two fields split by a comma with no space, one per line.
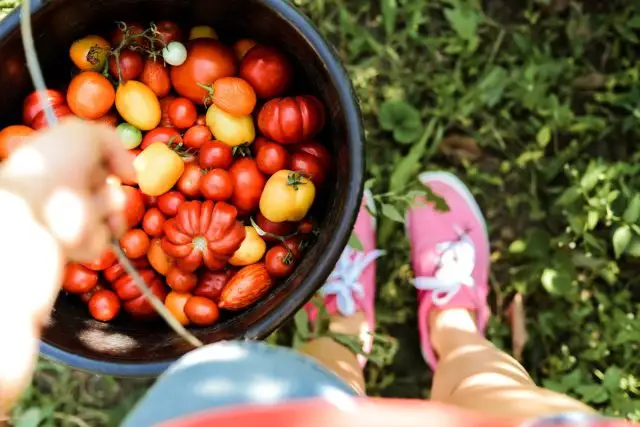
[368,412]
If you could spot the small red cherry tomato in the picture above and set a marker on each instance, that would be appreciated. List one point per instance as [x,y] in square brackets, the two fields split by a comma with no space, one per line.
[215,154]
[181,281]
[211,283]
[189,182]
[87,295]
[116,271]
[104,305]
[107,259]
[167,32]
[317,150]
[201,311]
[249,181]
[134,206]
[268,70]
[279,262]
[305,226]
[131,65]
[32,107]
[258,144]
[196,136]
[162,134]
[169,202]
[78,279]
[131,29]
[182,113]
[272,157]
[216,185]
[309,166]
[153,222]
[135,243]
[40,121]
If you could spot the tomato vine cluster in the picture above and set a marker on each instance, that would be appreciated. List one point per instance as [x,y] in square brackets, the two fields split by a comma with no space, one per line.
[226,162]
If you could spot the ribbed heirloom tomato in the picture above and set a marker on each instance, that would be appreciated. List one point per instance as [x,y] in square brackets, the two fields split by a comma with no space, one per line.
[267,70]
[203,233]
[292,119]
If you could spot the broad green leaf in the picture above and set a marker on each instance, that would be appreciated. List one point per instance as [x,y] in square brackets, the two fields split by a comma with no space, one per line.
[392,213]
[464,20]
[544,136]
[633,248]
[396,113]
[591,176]
[408,132]
[568,198]
[389,10]
[611,380]
[355,242]
[32,417]
[632,213]
[301,320]
[592,393]
[621,238]
[556,282]
[592,219]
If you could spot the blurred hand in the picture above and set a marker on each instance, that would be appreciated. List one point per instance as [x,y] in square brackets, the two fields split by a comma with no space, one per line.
[57,206]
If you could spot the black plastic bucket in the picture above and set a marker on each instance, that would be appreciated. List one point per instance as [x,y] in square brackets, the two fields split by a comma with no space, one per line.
[132,348]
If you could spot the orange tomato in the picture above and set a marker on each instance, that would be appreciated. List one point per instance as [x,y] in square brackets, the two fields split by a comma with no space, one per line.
[12,137]
[90,95]
[90,53]
[138,105]
[242,46]
[251,249]
[175,303]
[159,260]
[234,95]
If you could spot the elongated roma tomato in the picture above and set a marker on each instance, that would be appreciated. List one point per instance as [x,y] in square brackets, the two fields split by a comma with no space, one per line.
[287,196]
[156,76]
[251,249]
[90,53]
[292,119]
[13,137]
[267,70]
[131,65]
[175,303]
[32,106]
[158,168]
[232,130]
[246,287]
[138,105]
[158,258]
[234,95]
[90,95]
[201,311]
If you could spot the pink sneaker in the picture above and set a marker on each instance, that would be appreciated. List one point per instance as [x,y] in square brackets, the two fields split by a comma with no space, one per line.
[351,286]
[450,255]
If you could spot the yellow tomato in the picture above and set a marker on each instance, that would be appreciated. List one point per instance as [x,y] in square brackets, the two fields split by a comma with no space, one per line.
[158,168]
[159,260]
[175,302]
[90,53]
[251,249]
[230,129]
[203,32]
[138,105]
[287,196]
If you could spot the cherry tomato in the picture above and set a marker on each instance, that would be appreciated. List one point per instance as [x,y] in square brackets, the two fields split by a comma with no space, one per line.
[175,303]
[207,61]
[165,121]
[291,120]
[258,144]
[104,305]
[110,119]
[60,111]
[153,222]
[279,262]
[138,105]
[140,307]
[32,107]
[272,157]
[135,243]
[215,154]
[78,279]
[196,136]
[169,202]
[130,136]
[249,181]
[242,46]
[234,96]
[131,65]
[156,76]
[158,258]
[175,53]
[149,201]
[211,283]
[267,70]
[181,281]
[134,206]
[126,288]
[13,137]
[189,182]
[182,113]
[113,273]
[201,311]
[132,29]
[90,95]
[201,120]
[296,245]
[317,150]
[106,260]
[90,53]
[305,226]
[309,166]
[87,295]
[216,185]
[168,31]
[162,134]
[281,229]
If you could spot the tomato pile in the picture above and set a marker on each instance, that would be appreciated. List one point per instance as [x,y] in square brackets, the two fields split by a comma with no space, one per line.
[226,162]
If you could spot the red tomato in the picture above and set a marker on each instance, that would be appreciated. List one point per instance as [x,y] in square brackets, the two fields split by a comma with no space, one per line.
[107,259]
[305,226]
[279,262]
[116,271]
[169,202]
[249,181]
[182,113]
[281,229]
[216,185]
[132,28]
[32,107]
[156,75]
[258,144]
[90,95]
[234,96]
[242,46]
[267,70]
[189,182]
[272,157]
[140,307]
[211,283]
[317,150]
[135,243]
[134,206]
[149,201]
[110,119]
[104,305]
[292,119]
[207,61]
[126,287]
[161,134]
[40,121]
[13,137]
[201,311]
[87,295]
[308,166]
[215,154]
[153,222]
[168,31]
[164,107]
[201,120]
[196,136]
[131,65]
[181,281]
[78,279]
[296,245]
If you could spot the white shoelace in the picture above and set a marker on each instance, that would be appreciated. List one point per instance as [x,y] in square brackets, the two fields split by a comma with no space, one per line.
[343,280]
[456,261]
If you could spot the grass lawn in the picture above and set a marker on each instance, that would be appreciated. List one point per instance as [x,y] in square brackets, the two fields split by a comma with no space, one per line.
[537,108]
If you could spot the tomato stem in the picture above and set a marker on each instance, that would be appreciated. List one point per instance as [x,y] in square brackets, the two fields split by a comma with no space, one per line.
[208,99]
[295,179]
[149,34]
[243,150]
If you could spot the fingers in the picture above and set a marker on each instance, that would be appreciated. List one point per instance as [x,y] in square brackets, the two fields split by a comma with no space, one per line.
[119,161]
[111,204]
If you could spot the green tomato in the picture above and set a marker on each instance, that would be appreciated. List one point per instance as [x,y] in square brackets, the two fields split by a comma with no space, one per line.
[130,135]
